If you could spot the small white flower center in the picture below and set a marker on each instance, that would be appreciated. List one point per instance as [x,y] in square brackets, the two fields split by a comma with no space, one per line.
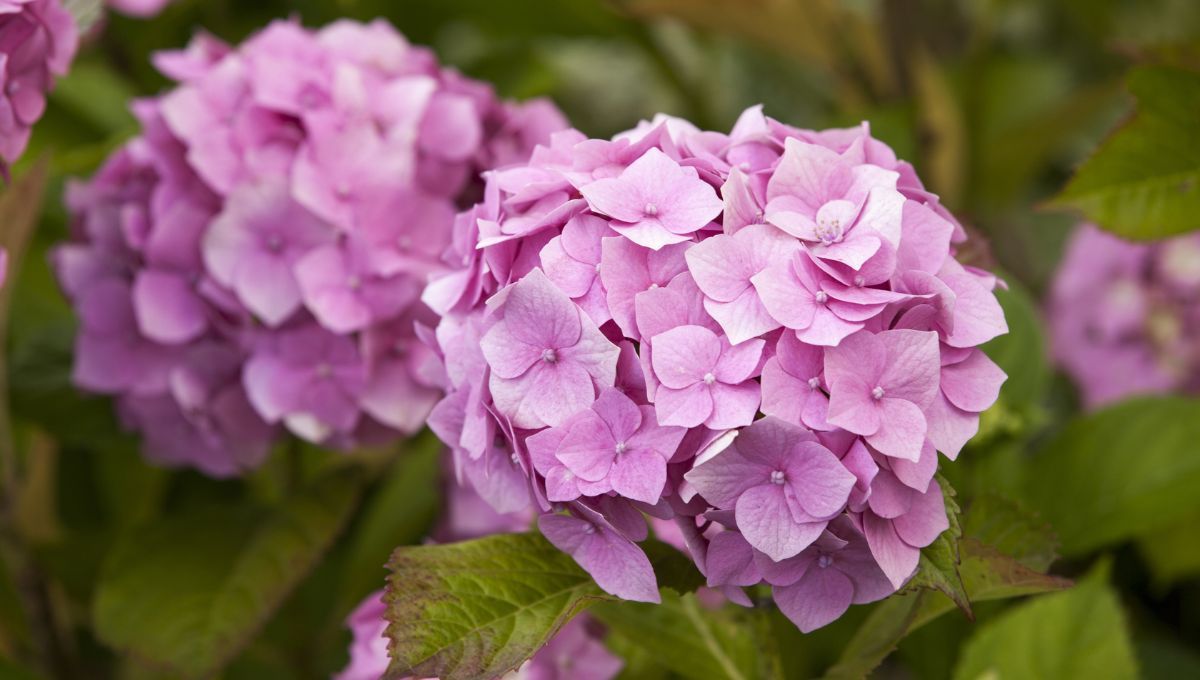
[550,356]
[877,393]
[516,460]
[653,286]
[744,166]
[824,561]
[274,243]
[859,281]
[621,447]
[589,529]
[777,477]
[597,267]
[821,297]
[814,382]
[709,378]
[343,189]
[833,219]
[650,209]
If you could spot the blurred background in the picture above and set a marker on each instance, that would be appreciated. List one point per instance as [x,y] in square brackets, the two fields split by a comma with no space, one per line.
[994,101]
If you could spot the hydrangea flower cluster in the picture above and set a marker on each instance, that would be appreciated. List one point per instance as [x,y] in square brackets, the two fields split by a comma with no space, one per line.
[763,335]
[576,652]
[38,39]
[1124,317]
[256,256]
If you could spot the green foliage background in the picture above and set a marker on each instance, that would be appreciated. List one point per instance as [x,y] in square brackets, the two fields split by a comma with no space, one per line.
[113,569]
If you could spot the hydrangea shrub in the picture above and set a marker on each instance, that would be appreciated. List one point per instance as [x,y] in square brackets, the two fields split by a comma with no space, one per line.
[38,39]
[253,260]
[1124,317]
[764,336]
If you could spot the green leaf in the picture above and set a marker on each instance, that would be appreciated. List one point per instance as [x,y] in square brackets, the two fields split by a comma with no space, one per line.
[695,641]
[1022,351]
[189,592]
[938,568]
[1118,473]
[1011,530]
[1080,633]
[878,636]
[1172,552]
[1144,181]
[480,608]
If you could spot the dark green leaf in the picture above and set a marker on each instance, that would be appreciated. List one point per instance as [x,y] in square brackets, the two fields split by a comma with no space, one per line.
[1011,530]
[1080,633]
[1022,351]
[479,609]
[187,593]
[1172,552]
[1144,182]
[1119,472]
[888,623]
[695,641]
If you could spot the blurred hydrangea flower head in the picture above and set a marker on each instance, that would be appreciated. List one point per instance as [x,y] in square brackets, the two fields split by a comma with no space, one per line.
[254,259]
[764,336]
[38,39]
[1124,317]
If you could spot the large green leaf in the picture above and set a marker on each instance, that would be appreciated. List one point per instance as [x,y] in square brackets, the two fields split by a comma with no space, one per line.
[1080,633]
[1022,351]
[1119,472]
[1172,552]
[695,641]
[479,609]
[187,593]
[1144,182]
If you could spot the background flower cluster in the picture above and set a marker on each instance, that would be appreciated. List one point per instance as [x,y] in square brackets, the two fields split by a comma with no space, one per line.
[254,258]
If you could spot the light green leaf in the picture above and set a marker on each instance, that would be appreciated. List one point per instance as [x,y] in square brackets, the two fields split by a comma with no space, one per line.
[1080,633]
[1011,530]
[188,593]
[695,641]
[479,609]
[1118,473]
[1144,181]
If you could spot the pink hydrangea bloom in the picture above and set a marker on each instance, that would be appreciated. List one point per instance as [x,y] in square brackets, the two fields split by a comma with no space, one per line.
[284,203]
[763,336]
[1124,317]
[38,39]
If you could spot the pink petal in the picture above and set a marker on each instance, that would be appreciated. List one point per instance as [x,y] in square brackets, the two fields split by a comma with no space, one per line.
[733,405]
[902,429]
[925,521]
[764,519]
[818,599]
[913,365]
[821,483]
[167,307]
[639,474]
[687,407]
[852,406]
[684,355]
[618,566]
[973,384]
[897,559]
[725,476]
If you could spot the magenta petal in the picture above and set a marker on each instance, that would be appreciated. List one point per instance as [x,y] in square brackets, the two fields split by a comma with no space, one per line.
[765,520]
[684,355]
[167,307]
[974,383]
[897,559]
[926,520]
[640,475]
[724,477]
[618,565]
[821,483]
[733,405]
[817,599]
[687,407]
[853,406]
[902,429]
[588,449]
[730,561]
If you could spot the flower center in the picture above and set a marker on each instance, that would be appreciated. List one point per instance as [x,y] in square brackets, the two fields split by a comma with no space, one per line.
[824,561]
[589,529]
[650,209]
[877,393]
[550,356]
[777,477]
[274,243]
[343,189]
[709,378]
[516,460]
[821,297]
[859,281]
[833,219]
[621,447]
[354,282]
[814,382]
